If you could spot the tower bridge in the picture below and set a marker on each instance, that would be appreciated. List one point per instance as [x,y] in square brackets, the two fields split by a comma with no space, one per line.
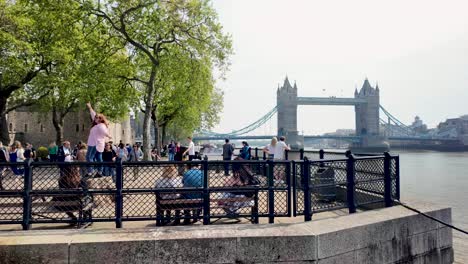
[366,103]
[368,136]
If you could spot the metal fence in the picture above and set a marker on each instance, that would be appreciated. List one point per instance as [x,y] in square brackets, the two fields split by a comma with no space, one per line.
[187,192]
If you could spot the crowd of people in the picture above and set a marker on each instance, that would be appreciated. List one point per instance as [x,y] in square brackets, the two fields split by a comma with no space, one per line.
[100,148]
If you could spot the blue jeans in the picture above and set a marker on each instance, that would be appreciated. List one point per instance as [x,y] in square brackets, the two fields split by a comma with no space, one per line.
[171,156]
[92,155]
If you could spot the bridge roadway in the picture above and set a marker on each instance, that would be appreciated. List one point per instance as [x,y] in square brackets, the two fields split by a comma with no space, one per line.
[311,137]
[329,101]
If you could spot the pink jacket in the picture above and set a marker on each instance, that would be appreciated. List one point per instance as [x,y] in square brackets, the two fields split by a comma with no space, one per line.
[97,135]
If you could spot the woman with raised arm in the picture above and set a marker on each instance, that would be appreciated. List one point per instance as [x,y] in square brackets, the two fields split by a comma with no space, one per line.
[96,140]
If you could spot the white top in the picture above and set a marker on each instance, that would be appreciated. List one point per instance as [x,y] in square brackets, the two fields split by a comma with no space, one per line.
[19,154]
[191,148]
[67,153]
[279,150]
[169,183]
[271,149]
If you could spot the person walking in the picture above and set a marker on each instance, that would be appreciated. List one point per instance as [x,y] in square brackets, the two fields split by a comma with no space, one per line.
[171,150]
[135,155]
[190,150]
[3,158]
[228,150]
[16,155]
[96,140]
[53,149]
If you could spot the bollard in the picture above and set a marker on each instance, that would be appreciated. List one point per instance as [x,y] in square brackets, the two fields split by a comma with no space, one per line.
[321,154]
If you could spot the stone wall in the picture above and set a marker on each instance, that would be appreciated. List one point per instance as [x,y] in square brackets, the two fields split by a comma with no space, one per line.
[37,128]
[390,235]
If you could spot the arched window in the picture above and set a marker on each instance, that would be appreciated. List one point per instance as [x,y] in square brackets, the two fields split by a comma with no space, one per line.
[25,128]
[11,127]
[82,127]
[42,128]
[77,128]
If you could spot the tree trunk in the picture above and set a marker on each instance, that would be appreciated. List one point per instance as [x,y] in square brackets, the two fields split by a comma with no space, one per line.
[4,135]
[149,101]
[154,117]
[58,120]
[163,134]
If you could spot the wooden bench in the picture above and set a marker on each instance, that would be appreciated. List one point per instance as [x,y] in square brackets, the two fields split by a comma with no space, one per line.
[41,208]
[182,204]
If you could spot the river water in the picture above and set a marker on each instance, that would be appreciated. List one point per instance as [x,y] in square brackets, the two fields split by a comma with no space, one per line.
[438,177]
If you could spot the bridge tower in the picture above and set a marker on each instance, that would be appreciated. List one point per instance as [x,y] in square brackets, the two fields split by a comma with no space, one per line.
[368,120]
[286,101]
[367,115]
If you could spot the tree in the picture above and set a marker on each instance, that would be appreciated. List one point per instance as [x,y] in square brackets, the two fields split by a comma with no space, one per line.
[58,56]
[151,28]
[27,48]
[188,98]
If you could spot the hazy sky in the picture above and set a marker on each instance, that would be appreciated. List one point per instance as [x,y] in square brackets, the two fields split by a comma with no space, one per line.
[417,51]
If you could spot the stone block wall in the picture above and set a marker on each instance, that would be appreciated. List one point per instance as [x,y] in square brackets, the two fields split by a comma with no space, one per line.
[389,235]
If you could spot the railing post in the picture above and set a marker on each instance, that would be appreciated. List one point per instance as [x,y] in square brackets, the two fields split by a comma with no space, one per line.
[264,155]
[119,194]
[301,154]
[387,180]
[286,154]
[206,193]
[321,154]
[271,193]
[350,185]
[305,179]
[256,153]
[27,194]
[397,179]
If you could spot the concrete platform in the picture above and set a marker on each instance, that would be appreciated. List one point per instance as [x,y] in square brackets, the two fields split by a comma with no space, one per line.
[390,235]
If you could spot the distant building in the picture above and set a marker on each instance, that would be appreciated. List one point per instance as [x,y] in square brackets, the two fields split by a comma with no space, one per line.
[418,126]
[37,128]
[455,128]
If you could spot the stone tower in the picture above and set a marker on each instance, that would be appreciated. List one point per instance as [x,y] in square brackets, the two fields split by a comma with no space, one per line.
[286,101]
[367,115]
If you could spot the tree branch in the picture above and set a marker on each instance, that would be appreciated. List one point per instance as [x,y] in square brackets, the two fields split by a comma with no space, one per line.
[26,103]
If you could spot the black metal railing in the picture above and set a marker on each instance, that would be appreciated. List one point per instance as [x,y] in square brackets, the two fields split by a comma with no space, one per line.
[205,191]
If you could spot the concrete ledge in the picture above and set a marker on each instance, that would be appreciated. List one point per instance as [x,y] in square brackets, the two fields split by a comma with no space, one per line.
[389,235]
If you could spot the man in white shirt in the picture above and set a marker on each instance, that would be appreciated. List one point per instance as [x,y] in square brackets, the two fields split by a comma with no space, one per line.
[190,149]
[280,148]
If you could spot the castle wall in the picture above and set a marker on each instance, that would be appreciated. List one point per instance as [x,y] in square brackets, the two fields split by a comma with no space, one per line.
[38,129]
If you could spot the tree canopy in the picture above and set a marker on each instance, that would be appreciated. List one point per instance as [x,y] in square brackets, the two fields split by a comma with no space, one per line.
[158,56]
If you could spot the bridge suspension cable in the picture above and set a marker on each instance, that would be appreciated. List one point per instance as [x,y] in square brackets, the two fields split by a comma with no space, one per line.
[262,120]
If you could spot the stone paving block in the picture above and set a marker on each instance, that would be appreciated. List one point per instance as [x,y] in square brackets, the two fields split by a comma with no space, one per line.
[31,254]
[422,243]
[265,249]
[445,237]
[348,257]
[359,237]
[208,250]
[420,224]
[113,252]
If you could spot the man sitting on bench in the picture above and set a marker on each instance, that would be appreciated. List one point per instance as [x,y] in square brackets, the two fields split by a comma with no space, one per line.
[193,178]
